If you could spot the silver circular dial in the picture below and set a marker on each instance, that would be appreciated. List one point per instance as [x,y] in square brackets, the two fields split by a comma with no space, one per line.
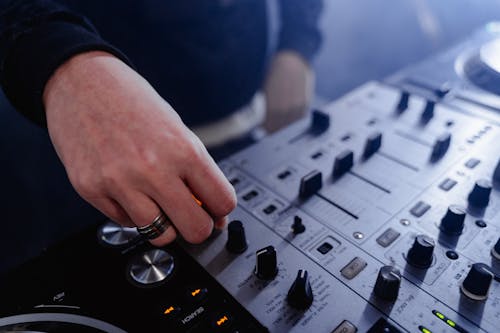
[114,234]
[151,267]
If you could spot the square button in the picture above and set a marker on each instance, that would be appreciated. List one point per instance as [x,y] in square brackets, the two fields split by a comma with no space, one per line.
[352,269]
[388,237]
[447,184]
[472,163]
[325,248]
[420,209]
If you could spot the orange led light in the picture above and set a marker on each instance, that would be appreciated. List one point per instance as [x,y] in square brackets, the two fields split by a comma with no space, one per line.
[170,309]
[222,321]
[197,201]
[196,292]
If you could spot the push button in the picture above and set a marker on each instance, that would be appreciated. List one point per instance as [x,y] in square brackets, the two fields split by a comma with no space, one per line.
[420,209]
[196,295]
[222,321]
[447,184]
[352,269]
[388,237]
[472,163]
[345,327]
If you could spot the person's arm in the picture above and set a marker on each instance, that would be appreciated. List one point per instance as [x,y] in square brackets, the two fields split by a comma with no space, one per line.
[289,85]
[125,150]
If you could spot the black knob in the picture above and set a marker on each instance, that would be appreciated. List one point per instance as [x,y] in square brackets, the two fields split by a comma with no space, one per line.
[403,102]
[480,195]
[266,266]
[428,112]
[388,282]
[495,251]
[298,227]
[236,240]
[477,283]
[453,221]
[300,295]
[421,253]
[310,184]
[441,146]
[343,163]
[320,122]
[372,145]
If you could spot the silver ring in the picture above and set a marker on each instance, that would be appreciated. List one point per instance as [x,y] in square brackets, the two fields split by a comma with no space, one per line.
[156,228]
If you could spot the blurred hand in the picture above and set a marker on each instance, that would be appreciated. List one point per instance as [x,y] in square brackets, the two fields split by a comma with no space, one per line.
[289,88]
[127,152]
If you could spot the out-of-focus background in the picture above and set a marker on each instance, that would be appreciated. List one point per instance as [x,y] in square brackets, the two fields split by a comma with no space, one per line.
[363,40]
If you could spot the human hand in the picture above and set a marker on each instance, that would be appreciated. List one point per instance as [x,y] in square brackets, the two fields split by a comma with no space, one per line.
[127,152]
[288,90]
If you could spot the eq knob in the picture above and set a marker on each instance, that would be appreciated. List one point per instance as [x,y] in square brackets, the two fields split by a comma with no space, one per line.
[480,195]
[151,267]
[388,283]
[300,295]
[495,251]
[236,239]
[477,282]
[421,253]
[266,266]
[453,221]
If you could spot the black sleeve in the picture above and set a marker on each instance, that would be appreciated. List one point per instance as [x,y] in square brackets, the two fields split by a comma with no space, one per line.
[36,36]
[299,27]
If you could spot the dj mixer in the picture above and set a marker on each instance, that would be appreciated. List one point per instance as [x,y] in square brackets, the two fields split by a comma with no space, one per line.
[379,213]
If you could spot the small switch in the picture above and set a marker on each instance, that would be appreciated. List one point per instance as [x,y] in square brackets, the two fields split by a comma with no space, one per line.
[297,226]
[269,209]
[388,237]
[420,209]
[447,184]
[372,145]
[310,184]
[345,327]
[325,248]
[343,163]
[352,269]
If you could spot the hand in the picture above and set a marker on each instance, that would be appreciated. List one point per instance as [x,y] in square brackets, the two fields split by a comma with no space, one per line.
[288,89]
[127,152]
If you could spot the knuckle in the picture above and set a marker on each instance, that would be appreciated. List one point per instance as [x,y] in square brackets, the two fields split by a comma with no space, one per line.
[82,184]
[201,234]
[227,202]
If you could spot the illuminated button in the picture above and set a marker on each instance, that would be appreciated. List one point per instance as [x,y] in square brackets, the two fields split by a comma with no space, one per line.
[171,312]
[345,327]
[388,237]
[197,294]
[222,321]
[447,184]
[352,269]
[424,329]
[420,209]
[472,163]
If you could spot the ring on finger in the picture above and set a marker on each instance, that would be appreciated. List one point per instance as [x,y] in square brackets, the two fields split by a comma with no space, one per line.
[156,228]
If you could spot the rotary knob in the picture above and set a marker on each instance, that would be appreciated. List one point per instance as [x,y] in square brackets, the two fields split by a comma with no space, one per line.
[495,251]
[266,267]
[300,295]
[151,267]
[477,283]
[236,239]
[453,221]
[480,195]
[388,283]
[113,234]
[421,253]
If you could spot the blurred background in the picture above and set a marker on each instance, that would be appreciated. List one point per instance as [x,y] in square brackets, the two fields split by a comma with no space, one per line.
[362,40]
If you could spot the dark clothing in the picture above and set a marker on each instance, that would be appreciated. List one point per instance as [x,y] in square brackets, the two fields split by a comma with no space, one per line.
[205,57]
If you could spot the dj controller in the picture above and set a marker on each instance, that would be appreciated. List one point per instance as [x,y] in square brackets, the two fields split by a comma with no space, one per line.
[379,213]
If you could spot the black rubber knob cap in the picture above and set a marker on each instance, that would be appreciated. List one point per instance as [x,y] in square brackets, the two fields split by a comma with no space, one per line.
[388,283]
[480,195]
[403,102]
[453,221]
[300,295]
[477,283]
[495,251]
[428,112]
[421,253]
[266,266]
[236,239]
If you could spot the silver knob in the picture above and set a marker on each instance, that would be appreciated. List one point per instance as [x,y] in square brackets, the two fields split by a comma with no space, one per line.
[151,267]
[114,234]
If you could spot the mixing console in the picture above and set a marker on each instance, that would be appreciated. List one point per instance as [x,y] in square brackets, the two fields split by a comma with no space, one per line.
[379,213]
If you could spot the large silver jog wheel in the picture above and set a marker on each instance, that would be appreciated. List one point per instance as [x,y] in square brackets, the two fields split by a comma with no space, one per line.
[113,234]
[151,267]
